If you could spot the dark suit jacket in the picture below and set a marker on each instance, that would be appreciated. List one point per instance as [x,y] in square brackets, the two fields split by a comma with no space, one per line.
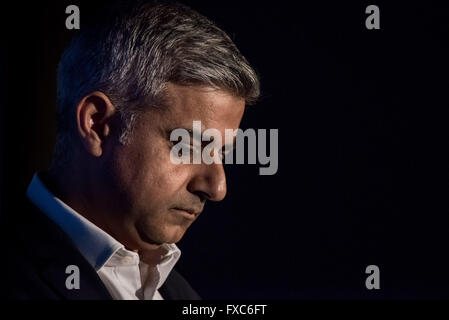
[37,252]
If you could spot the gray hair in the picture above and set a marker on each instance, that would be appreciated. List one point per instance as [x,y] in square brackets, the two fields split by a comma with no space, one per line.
[132,52]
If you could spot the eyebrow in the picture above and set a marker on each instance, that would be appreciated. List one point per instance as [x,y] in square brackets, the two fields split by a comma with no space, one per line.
[203,143]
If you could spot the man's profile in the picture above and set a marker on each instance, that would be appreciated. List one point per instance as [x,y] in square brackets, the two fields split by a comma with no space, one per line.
[112,204]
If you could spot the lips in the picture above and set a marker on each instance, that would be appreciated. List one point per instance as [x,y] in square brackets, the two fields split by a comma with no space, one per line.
[188,210]
[188,213]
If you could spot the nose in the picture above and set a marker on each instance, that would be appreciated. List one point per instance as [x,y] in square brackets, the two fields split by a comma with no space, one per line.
[209,182]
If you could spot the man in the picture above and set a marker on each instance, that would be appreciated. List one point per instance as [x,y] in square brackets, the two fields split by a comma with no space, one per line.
[103,220]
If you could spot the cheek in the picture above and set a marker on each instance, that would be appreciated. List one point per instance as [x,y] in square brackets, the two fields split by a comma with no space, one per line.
[168,180]
[151,179]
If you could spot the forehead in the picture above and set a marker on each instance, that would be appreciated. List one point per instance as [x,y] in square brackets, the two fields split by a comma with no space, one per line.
[214,108]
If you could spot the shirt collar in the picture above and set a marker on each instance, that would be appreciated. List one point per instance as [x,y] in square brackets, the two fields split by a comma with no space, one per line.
[95,245]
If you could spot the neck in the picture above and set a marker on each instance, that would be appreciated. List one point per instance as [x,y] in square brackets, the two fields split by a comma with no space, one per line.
[75,188]
[67,185]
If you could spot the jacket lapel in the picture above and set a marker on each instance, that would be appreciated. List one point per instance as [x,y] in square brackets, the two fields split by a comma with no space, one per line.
[51,251]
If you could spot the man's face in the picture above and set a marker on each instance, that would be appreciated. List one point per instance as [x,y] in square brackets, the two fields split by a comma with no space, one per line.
[159,200]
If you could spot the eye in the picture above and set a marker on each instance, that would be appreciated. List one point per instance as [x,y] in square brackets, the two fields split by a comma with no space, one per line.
[190,146]
[184,145]
[226,150]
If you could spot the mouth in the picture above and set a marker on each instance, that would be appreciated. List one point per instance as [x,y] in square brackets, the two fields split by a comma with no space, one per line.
[189,214]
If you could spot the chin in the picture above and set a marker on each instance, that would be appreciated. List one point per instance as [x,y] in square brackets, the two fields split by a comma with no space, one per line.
[169,234]
[174,234]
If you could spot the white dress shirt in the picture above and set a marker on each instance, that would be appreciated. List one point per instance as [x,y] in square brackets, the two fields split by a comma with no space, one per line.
[122,271]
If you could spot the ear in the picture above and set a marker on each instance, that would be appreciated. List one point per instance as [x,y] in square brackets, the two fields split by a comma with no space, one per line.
[94,115]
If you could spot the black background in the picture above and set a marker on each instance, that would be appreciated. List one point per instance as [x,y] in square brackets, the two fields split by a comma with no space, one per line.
[363,158]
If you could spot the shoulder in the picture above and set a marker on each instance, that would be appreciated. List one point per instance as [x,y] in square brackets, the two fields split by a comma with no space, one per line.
[38,252]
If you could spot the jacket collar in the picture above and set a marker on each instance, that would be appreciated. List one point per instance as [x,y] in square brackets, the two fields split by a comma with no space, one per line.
[53,253]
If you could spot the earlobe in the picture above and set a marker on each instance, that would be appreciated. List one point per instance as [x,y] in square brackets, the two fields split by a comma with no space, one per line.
[94,115]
